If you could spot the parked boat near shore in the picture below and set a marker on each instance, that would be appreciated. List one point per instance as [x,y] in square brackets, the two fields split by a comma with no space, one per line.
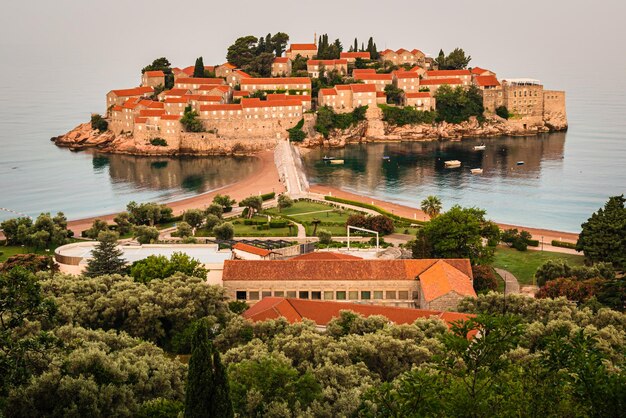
[479,147]
[476,171]
[452,163]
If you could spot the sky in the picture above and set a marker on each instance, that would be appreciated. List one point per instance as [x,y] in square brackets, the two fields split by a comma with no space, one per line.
[543,39]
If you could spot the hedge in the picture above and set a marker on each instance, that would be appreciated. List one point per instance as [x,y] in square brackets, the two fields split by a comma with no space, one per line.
[268,196]
[532,242]
[253,222]
[375,208]
[278,224]
[563,244]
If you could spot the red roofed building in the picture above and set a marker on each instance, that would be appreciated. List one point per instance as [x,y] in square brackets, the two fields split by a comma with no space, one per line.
[194,83]
[429,284]
[315,67]
[464,75]
[326,255]
[220,112]
[281,67]
[409,81]
[243,251]
[421,100]
[118,97]
[173,93]
[344,98]
[304,50]
[153,78]
[433,84]
[402,56]
[278,83]
[322,312]
[481,71]
[358,71]
[224,69]
[234,77]
[352,56]
[378,80]
[491,90]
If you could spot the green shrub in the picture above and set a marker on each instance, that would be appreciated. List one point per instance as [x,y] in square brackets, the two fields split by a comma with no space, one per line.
[324,236]
[278,224]
[373,207]
[459,104]
[503,112]
[98,122]
[328,120]
[268,196]
[190,121]
[158,142]
[254,222]
[407,115]
[532,242]
[563,244]
[296,134]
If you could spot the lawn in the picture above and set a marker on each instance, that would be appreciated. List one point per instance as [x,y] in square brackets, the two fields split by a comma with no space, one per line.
[242,230]
[523,264]
[300,207]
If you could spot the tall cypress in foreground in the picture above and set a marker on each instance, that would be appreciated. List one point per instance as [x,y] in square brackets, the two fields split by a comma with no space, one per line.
[106,257]
[207,394]
[198,69]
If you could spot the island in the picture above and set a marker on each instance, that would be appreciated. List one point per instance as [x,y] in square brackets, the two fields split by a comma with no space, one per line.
[314,94]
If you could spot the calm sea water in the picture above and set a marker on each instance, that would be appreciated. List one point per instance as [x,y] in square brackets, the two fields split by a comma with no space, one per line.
[565,177]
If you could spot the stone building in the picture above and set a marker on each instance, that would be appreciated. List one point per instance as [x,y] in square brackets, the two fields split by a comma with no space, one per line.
[224,69]
[345,97]
[118,97]
[153,78]
[352,56]
[173,93]
[402,56]
[122,118]
[429,284]
[194,83]
[409,81]
[433,84]
[226,92]
[242,251]
[523,97]
[304,50]
[361,71]
[300,84]
[281,67]
[315,67]
[421,100]
[464,75]
[491,90]
[234,78]
[378,80]
[477,71]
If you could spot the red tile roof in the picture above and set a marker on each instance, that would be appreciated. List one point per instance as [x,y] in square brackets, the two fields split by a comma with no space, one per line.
[220,107]
[416,68]
[158,73]
[117,108]
[369,76]
[322,312]
[251,103]
[363,88]
[417,95]
[416,51]
[281,60]
[436,82]
[242,74]
[276,96]
[387,51]
[357,71]
[151,112]
[209,87]
[441,279]
[170,117]
[137,91]
[327,62]
[406,74]
[251,249]
[447,73]
[200,80]
[302,47]
[384,270]
[479,71]
[328,92]
[326,255]
[175,92]
[140,120]
[228,65]
[380,94]
[486,81]
[277,80]
[209,98]
[189,70]
[239,93]
[365,55]
[342,87]
[176,100]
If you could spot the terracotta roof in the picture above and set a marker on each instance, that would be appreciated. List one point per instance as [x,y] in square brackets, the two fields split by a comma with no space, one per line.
[175,92]
[210,68]
[417,95]
[281,60]
[209,87]
[401,51]
[365,55]
[199,80]
[486,81]
[384,270]
[137,91]
[170,117]
[203,98]
[117,108]
[250,103]
[406,74]
[363,88]
[328,92]
[447,73]
[302,47]
[342,87]
[442,278]
[302,97]
[326,255]
[140,119]
[176,100]
[416,68]
[322,312]
[387,51]
[416,51]
[131,103]
[276,96]
[228,65]
[277,80]
[151,112]
[220,107]
[357,71]
[369,76]
[327,62]
[251,249]
[189,70]
[239,93]
[158,73]
[479,71]
[435,82]
[242,74]
[176,70]
[151,104]
[380,94]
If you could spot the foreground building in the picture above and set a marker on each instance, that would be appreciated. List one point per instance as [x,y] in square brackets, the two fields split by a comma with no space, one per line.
[304,50]
[427,284]
[345,97]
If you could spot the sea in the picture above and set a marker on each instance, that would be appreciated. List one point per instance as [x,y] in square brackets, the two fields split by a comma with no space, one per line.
[564,177]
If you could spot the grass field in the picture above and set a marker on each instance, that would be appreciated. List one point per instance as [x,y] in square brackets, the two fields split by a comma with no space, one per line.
[523,264]
[332,219]
[242,230]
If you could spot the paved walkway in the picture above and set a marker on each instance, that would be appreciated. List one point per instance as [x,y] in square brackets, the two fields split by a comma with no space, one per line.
[288,169]
[511,285]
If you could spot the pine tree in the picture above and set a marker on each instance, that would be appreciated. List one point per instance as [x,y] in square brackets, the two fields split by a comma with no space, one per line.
[207,393]
[198,69]
[106,257]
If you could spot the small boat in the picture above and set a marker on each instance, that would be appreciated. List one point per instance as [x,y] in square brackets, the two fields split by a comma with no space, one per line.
[520,163]
[386,157]
[336,161]
[327,158]
[479,147]
[476,171]
[452,163]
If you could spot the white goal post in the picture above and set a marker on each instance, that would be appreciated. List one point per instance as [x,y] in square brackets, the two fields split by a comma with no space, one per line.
[349,227]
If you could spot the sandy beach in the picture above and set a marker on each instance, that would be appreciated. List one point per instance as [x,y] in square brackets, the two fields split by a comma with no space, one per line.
[266,180]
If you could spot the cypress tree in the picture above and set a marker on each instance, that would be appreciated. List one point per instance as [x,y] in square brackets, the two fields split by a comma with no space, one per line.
[106,256]
[198,70]
[207,394]
[356,45]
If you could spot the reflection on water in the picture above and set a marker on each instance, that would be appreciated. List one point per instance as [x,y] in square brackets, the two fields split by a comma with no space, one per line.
[531,193]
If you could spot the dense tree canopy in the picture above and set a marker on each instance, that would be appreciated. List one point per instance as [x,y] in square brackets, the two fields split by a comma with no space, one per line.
[45,232]
[157,267]
[255,55]
[106,257]
[455,60]
[456,105]
[162,64]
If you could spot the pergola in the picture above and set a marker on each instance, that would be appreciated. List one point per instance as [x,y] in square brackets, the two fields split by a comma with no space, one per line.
[349,227]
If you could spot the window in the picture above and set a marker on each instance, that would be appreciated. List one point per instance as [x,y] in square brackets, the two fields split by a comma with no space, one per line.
[316,295]
[403,294]
[353,295]
[328,295]
[266,294]
[378,294]
[291,293]
[254,295]
[416,294]
[366,295]
[390,294]
[279,293]
[341,295]
[303,294]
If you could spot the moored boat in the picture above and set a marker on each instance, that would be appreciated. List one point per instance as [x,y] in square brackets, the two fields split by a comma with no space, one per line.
[520,163]
[452,163]
[336,161]
[476,171]
[479,147]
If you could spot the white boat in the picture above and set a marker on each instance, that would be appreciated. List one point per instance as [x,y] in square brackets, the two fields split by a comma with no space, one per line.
[480,147]
[336,161]
[452,163]
[520,163]
[476,171]
[326,158]
[386,157]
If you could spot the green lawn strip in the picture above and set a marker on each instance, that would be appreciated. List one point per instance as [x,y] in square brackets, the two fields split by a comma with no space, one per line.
[11,250]
[523,264]
[300,207]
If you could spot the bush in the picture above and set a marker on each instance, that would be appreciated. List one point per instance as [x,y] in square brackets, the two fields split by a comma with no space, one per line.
[532,242]
[268,196]
[458,105]
[373,207]
[254,222]
[158,142]
[503,112]
[484,278]
[190,121]
[278,224]
[324,236]
[296,134]
[224,231]
[563,244]
[520,245]
[146,234]
[99,123]
[407,115]
[328,120]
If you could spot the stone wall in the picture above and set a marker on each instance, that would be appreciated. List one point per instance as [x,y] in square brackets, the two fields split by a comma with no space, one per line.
[447,302]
